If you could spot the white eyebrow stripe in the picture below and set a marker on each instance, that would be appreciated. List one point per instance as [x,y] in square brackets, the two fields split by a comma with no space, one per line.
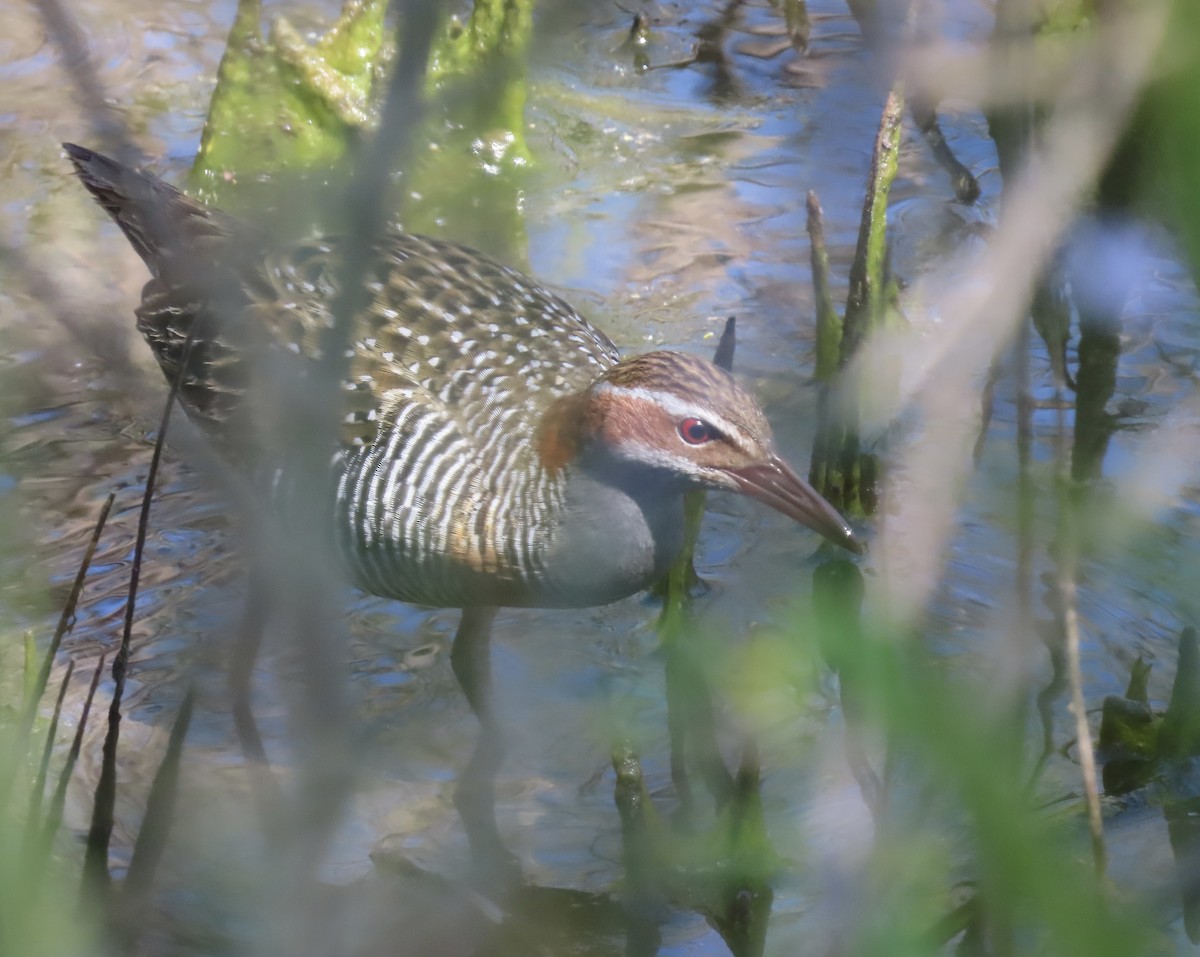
[653,454]
[673,405]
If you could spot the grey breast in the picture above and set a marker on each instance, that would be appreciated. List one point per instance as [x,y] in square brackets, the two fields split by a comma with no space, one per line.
[619,533]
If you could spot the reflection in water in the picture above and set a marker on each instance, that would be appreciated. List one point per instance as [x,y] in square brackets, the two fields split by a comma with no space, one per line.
[1105,256]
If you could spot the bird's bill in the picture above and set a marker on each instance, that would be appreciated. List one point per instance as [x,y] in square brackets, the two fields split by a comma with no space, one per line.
[774,483]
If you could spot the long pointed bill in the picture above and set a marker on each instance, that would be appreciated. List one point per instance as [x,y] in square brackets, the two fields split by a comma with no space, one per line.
[775,484]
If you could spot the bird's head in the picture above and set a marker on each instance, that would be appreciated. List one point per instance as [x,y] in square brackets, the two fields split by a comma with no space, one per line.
[686,419]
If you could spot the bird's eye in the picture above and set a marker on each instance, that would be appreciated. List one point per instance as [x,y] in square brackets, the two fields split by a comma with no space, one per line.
[696,431]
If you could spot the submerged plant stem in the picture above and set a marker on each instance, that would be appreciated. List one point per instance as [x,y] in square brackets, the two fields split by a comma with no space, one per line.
[866,303]
[829,324]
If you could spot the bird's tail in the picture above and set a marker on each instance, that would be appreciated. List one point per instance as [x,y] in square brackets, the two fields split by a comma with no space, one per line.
[158,219]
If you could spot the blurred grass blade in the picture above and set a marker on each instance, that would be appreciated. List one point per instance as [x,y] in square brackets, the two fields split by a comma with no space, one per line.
[108,123]
[65,621]
[687,718]
[40,853]
[39,784]
[30,672]
[36,686]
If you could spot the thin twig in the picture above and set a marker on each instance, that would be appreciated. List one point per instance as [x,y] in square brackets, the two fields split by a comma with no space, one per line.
[95,861]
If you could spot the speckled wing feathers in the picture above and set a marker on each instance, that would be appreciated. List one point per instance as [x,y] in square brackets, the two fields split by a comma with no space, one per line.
[451,367]
[481,338]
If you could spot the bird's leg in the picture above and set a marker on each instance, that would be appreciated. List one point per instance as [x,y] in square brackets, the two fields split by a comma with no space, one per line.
[246,646]
[475,796]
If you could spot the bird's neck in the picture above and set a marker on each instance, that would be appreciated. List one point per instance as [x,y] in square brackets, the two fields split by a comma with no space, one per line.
[564,432]
[615,524]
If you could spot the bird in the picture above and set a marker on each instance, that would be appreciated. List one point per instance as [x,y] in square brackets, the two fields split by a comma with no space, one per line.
[494,448]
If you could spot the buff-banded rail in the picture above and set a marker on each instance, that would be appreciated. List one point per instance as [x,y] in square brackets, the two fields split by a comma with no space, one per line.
[495,449]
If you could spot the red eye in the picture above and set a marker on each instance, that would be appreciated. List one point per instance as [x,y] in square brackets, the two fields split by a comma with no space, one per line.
[695,431]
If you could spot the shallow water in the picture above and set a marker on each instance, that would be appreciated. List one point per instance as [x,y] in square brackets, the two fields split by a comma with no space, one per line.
[664,202]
